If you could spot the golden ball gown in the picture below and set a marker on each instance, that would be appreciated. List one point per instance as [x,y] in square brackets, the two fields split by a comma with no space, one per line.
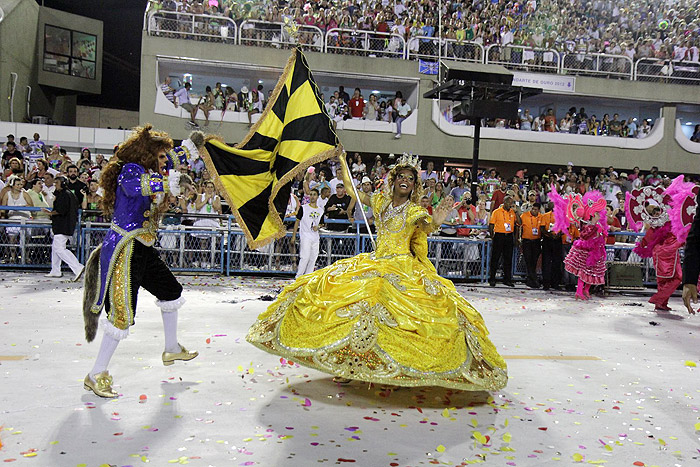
[384,317]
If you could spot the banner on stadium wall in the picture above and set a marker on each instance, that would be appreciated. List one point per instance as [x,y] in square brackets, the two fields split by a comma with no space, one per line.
[547,82]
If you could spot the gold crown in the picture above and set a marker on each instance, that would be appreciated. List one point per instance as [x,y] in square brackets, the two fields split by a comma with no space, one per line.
[408,160]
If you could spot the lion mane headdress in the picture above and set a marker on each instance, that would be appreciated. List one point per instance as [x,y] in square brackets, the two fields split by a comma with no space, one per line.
[142,148]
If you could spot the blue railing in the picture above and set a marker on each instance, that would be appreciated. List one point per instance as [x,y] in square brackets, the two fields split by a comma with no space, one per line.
[26,244]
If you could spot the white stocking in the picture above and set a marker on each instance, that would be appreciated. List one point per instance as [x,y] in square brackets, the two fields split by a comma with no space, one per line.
[107,348]
[169,312]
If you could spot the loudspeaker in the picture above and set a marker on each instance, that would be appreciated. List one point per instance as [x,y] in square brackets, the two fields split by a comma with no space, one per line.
[475,72]
[485,109]
[623,275]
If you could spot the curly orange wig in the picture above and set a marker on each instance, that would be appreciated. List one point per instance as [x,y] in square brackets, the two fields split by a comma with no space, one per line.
[141,148]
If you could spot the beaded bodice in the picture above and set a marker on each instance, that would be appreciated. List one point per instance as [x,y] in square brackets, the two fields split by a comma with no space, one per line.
[395,225]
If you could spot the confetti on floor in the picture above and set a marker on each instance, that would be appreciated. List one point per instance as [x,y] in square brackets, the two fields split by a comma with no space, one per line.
[590,384]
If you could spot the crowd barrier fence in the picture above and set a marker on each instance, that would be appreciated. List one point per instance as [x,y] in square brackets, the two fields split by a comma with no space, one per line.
[26,244]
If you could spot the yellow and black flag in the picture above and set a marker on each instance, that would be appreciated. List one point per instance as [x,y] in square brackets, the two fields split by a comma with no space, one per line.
[293,133]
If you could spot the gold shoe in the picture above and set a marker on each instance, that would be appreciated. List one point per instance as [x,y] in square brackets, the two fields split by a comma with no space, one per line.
[341,380]
[170,357]
[102,387]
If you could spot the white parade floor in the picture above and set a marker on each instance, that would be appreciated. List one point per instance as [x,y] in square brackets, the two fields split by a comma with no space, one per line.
[590,383]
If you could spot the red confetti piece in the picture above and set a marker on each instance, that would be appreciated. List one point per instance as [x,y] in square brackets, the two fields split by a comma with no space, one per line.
[11,459]
[143,398]
[118,434]
[340,459]
[372,419]
[543,428]
[208,341]
[639,463]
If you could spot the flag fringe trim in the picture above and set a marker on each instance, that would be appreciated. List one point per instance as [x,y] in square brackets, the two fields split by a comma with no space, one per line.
[289,176]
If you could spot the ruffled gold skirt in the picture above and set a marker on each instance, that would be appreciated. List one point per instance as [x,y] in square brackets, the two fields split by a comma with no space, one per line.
[389,320]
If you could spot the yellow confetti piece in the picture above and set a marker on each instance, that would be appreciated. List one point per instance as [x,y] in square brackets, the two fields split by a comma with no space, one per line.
[479,437]
[697,426]
[145,460]
[638,443]
[598,462]
[248,439]
[53,442]
[286,437]
[690,363]
[81,465]
[507,437]
[440,448]
[608,448]
[239,368]
[446,413]
[16,432]
[251,370]
[662,442]
[391,454]
[506,422]
[30,454]
[577,457]
[474,422]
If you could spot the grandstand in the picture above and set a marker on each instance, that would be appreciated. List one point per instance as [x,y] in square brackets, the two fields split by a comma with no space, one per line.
[605,79]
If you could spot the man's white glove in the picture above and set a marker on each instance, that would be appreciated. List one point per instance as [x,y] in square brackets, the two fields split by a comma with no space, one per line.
[174,182]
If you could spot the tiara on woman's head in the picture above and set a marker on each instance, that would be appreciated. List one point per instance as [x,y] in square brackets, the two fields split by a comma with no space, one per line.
[408,160]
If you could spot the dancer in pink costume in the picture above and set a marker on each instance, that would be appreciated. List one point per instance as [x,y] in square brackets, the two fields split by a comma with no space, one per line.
[665,215]
[586,259]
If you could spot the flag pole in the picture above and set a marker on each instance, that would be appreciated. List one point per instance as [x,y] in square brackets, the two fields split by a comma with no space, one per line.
[344,163]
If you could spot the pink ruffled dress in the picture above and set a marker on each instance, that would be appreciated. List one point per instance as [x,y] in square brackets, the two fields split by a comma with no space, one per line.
[586,259]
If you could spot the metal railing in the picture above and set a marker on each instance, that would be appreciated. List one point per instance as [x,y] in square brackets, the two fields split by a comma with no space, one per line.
[26,244]
[518,57]
[666,71]
[268,34]
[364,43]
[463,51]
[593,64]
[378,44]
[423,47]
[206,28]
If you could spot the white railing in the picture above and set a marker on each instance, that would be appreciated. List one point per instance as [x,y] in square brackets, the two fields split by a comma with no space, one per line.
[666,71]
[518,57]
[463,51]
[422,47]
[594,64]
[188,26]
[268,34]
[377,44]
[365,43]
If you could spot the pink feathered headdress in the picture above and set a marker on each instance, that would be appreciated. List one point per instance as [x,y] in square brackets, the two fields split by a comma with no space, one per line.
[636,202]
[683,196]
[576,208]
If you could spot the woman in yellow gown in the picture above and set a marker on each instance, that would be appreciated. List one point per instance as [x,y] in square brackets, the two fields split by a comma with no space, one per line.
[387,316]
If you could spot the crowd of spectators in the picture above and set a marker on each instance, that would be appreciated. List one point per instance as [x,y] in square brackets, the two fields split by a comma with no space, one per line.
[340,105]
[574,122]
[524,187]
[657,29]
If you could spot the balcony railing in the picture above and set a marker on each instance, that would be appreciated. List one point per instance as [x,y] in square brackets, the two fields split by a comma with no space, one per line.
[365,43]
[376,44]
[665,71]
[518,57]
[205,28]
[266,34]
[592,64]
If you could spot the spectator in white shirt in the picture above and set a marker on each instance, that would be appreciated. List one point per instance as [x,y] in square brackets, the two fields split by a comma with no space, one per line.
[182,97]
[403,111]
